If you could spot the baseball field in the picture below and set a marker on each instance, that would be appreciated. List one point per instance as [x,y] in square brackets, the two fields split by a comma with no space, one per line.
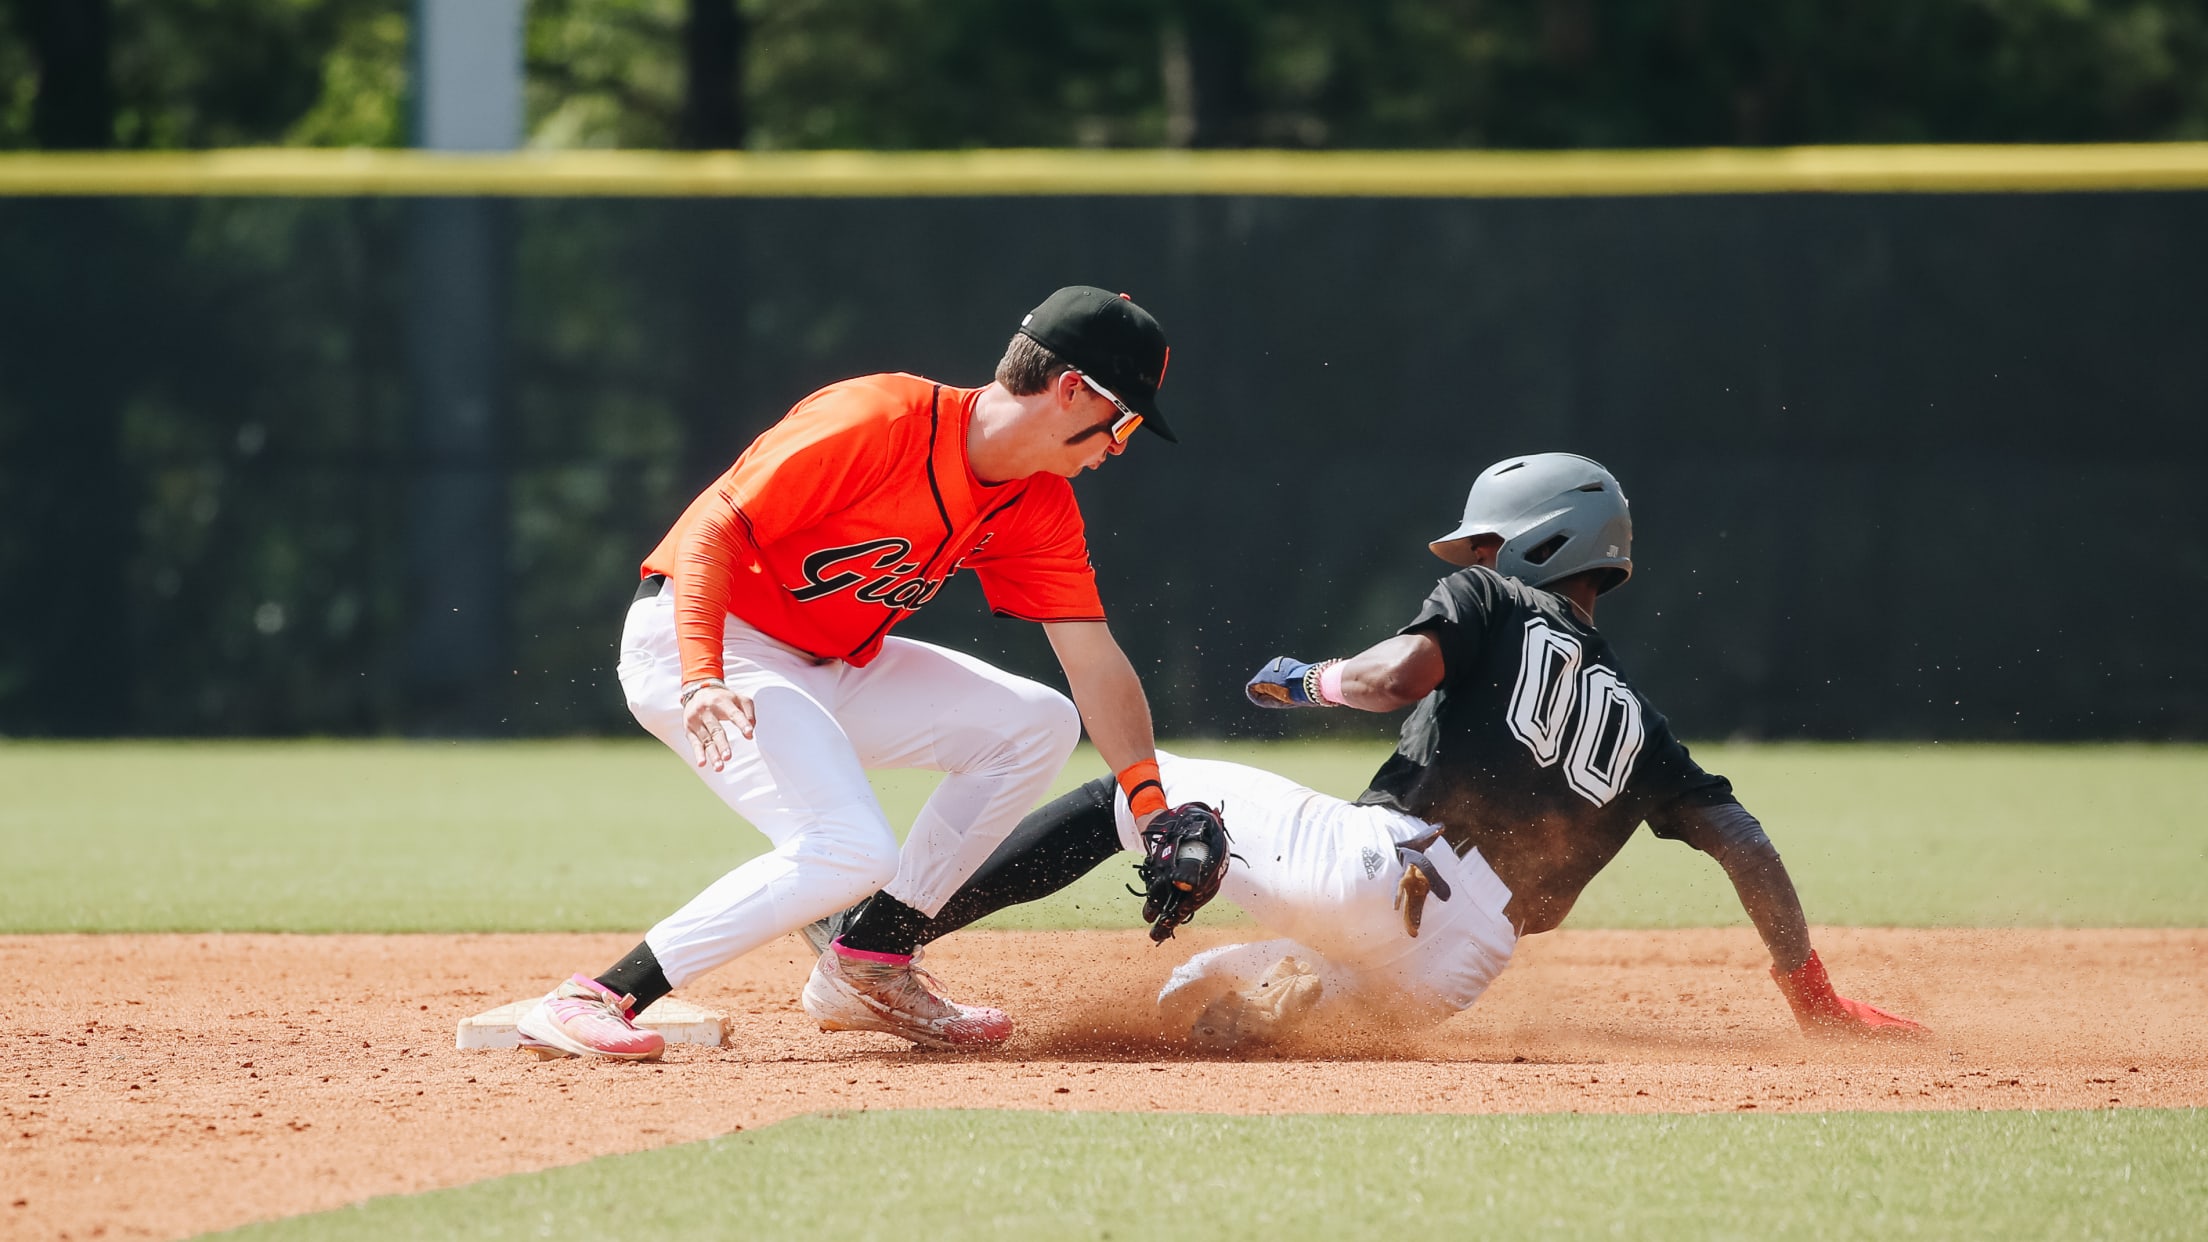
[234,972]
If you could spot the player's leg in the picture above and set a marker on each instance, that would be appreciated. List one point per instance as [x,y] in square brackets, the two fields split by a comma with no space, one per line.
[1372,962]
[1283,872]
[1060,842]
[1222,996]
[1462,945]
[1000,740]
[1050,848]
[798,780]
[1240,994]
[1325,873]
[1286,862]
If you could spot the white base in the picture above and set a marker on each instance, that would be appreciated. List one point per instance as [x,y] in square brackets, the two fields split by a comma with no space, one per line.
[678,1022]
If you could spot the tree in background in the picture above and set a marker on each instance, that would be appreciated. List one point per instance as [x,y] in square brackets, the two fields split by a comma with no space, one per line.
[909,74]
[71,103]
[214,391]
[78,74]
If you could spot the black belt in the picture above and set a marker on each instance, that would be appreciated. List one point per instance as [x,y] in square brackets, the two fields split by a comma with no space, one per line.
[649,588]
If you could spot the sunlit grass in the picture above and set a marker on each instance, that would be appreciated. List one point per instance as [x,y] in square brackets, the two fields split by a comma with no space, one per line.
[609,836]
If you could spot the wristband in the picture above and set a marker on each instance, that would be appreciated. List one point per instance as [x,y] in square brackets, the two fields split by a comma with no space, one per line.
[1145,791]
[1311,686]
[696,686]
[1330,685]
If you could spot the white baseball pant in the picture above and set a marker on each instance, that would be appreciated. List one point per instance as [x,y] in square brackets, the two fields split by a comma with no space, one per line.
[801,779]
[1321,874]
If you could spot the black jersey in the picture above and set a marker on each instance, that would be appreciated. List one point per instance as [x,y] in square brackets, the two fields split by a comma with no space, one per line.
[1534,748]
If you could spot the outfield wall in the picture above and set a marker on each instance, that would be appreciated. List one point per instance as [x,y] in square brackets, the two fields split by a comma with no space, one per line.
[1912,440]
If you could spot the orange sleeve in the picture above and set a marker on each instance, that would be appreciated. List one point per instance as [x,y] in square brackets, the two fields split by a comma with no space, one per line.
[1036,566]
[706,562]
[831,450]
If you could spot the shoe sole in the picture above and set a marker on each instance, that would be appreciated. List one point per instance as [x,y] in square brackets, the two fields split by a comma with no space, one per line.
[923,1041]
[934,1042]
[889,1026]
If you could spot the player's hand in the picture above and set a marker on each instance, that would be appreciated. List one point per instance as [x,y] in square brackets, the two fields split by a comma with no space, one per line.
[1420,877]
[1821,1011]
[707,717]
[1283,682]
[1185,855]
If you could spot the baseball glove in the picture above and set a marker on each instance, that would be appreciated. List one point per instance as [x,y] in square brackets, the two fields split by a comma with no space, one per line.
[1185,853]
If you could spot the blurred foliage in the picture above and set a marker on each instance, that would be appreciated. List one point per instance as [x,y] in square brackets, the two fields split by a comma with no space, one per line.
[1310,73]
[238,470]
[603,73]
[224,509]
[361,101]
[212,460]
[18,83]
[915,73]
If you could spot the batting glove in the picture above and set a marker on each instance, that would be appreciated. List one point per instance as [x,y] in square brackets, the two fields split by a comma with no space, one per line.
[1822,1011]
[1284,682]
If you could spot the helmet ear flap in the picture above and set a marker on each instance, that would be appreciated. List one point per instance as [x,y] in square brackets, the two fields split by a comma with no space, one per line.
[1540,553]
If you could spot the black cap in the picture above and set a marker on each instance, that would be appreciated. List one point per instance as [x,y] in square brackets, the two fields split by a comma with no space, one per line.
[1107,337]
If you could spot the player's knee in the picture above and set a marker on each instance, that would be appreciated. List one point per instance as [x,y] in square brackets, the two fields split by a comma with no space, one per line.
[875,874]
[852,876]
[1030,726]
[1051,723]
[861,850]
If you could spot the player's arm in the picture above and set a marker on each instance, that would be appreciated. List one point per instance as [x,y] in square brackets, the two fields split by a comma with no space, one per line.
[1729,834]
[1449,631]
[1185,845]
[703,581]
[833,448]
[1113,706]
[1384,677]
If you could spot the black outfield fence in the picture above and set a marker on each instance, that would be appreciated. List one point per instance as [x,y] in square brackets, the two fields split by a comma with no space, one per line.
[1918,465]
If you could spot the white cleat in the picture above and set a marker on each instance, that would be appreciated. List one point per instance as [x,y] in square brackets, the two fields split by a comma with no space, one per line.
[878,993]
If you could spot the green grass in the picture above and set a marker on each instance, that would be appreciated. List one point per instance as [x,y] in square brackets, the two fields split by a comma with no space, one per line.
[2130,1174]
[610,836]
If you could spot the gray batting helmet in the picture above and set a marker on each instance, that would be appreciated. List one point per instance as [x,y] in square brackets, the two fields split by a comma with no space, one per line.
[1557,514]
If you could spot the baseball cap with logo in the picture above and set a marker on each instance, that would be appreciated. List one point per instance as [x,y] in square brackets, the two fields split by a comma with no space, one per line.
[1108,338]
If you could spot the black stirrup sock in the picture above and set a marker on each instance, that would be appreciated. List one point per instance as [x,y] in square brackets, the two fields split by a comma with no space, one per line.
[886,925]
[1058,843]
[638,975]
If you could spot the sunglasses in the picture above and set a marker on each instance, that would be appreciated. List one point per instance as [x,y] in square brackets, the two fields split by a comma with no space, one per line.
[1128,421]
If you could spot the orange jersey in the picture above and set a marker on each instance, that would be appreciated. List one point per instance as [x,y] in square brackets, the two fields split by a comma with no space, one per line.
[849,514]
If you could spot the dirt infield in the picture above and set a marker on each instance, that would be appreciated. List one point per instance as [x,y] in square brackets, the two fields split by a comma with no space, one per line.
[160,1086]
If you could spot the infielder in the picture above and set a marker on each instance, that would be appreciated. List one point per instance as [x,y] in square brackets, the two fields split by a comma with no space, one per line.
[758,644]
[1527,762]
